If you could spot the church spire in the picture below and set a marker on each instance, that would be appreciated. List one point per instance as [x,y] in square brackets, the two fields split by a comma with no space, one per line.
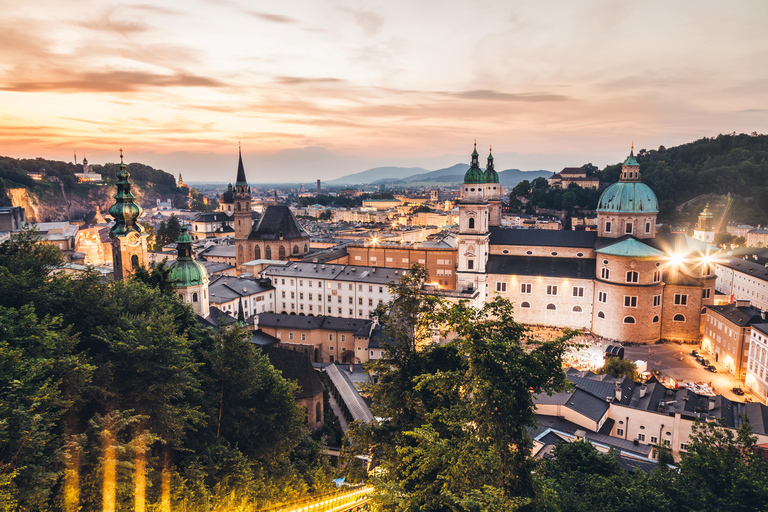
[124,211]
[240,182]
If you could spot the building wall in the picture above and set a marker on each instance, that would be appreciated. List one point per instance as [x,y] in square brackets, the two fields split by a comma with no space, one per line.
[535,308]
[742,286]
[619,221]
[323,345]
[726,342]
[314,408]
[440,263]
[757,364]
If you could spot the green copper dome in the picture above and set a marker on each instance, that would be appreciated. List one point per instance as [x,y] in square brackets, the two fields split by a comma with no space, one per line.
[491,176]
[628,197]
[124,211]
[228,197]
[185,271]
[474,174]
[631,158]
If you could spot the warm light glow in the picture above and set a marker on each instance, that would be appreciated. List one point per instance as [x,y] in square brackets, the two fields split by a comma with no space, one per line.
[676,259]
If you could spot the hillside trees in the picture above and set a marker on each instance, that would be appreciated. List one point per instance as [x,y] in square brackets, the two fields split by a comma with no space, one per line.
[115,388]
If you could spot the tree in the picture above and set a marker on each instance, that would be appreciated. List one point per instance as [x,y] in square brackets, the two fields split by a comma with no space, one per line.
[616,367]
[740,241]
[724,238]
[521,189]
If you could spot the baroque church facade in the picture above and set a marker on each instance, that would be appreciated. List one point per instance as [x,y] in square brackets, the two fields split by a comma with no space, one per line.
[624,282]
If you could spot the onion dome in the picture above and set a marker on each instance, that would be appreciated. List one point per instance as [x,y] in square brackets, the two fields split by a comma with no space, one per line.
[491,176]
[185,271]
[228,197]
[629,195]
[474,174]
[124,211]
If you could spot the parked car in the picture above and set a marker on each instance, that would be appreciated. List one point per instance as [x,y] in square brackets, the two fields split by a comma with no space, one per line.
[738,391]
[712,369]
[695,353]
[704,362]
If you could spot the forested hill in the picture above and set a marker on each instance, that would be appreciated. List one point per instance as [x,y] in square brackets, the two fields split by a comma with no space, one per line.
[15,171]
[727,163]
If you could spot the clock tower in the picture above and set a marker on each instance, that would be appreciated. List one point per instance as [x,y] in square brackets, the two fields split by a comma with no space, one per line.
[129,244]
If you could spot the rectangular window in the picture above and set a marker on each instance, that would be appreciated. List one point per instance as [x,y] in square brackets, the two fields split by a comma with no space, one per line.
[343,337]
[303,337]
[602,297]
[290,335]
[630,302]
[501,287]
[359,287]
[301,295]
[405,260]
[578,291]
[350,300]
[373,260]
[359,312]
[310,296]
[684,447]
[619,431]
[605,273]
[525,288]
[339,299]
[293,295]
[647,227]
[389,260]
[656,301]
[370,302]
[470,264]
[654,440]
[628,228]
[705,293]
[351,312]
[551,289]
[330,298]
[360,301]
[641,437]
[370,289]
[681,300]
[381,289]
[358,258]
[632,276]
[657,276]
[608,227]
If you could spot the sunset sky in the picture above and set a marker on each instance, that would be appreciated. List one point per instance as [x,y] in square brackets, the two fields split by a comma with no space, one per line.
[321,88]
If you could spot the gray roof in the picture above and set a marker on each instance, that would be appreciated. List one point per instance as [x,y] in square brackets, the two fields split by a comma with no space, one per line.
[213,217]
[372,275]
[576,268]
[278,222]
[213,267]
[747,267]
[296,366]
[542,237]
[741,316]
[332,323]
[228,288]
[349,394]
[219,251]
[579,401]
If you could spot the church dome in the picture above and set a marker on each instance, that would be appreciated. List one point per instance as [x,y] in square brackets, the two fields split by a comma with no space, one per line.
[185,271]
[474,174]
[628,197]
[228,197]
[491,176]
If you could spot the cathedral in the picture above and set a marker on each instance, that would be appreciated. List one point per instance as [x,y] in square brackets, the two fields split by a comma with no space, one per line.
[624,282]
[276,236]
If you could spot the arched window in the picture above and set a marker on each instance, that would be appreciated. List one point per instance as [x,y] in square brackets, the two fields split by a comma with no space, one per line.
[679,318]
[471,223]
[656,319]
[577,309]
[281,253]
[295,249]
[552,307]
[525,305]
[134,261]
[238,206]
[318,414]
[305,248]
[703,311]
[194,297]
[629,319]
[600,314]
[181,296]
[257,253]
[268,253]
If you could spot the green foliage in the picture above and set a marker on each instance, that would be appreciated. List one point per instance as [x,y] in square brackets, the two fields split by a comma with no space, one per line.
[167,232]
[618,368]
[454,433]
[80,357]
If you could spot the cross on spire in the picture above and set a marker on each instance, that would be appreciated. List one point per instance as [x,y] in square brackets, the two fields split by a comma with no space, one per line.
[121,155]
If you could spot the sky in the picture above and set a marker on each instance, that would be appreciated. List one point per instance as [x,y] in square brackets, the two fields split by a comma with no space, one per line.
[320,88]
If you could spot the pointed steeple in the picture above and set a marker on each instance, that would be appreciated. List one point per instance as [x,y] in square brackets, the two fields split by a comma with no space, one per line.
[491,176]
[474,174]
[240,182]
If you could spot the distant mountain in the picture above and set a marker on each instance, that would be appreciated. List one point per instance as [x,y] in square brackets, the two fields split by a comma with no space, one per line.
[378,174]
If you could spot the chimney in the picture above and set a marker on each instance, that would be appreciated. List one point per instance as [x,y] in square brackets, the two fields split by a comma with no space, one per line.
[643,390]
[255,322]
[711,403]
[762,315]
[617,391]
[742,303]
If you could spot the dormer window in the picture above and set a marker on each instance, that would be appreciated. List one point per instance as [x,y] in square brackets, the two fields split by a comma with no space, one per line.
[628,228]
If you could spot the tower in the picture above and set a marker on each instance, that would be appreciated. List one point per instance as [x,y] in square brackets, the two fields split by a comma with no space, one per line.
[705,230]
[129,244]
[190,276]
[627,207]
[242,211]
[493,192]
[473,230]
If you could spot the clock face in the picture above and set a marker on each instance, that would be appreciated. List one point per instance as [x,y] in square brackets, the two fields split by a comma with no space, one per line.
[133,238]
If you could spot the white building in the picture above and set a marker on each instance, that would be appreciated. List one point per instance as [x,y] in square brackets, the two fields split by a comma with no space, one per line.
[228,293]
[742,279]
[314,289]
[757,365]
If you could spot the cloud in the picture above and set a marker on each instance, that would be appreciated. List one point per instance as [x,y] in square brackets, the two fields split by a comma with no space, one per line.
[485,94]
[105,23]
[300,80]
[154,9]
[369,21]
[274,18]
[113,81]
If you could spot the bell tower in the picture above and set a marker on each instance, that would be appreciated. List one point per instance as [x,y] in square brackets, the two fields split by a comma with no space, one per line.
[129,244]
[242,211]
[474,235]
